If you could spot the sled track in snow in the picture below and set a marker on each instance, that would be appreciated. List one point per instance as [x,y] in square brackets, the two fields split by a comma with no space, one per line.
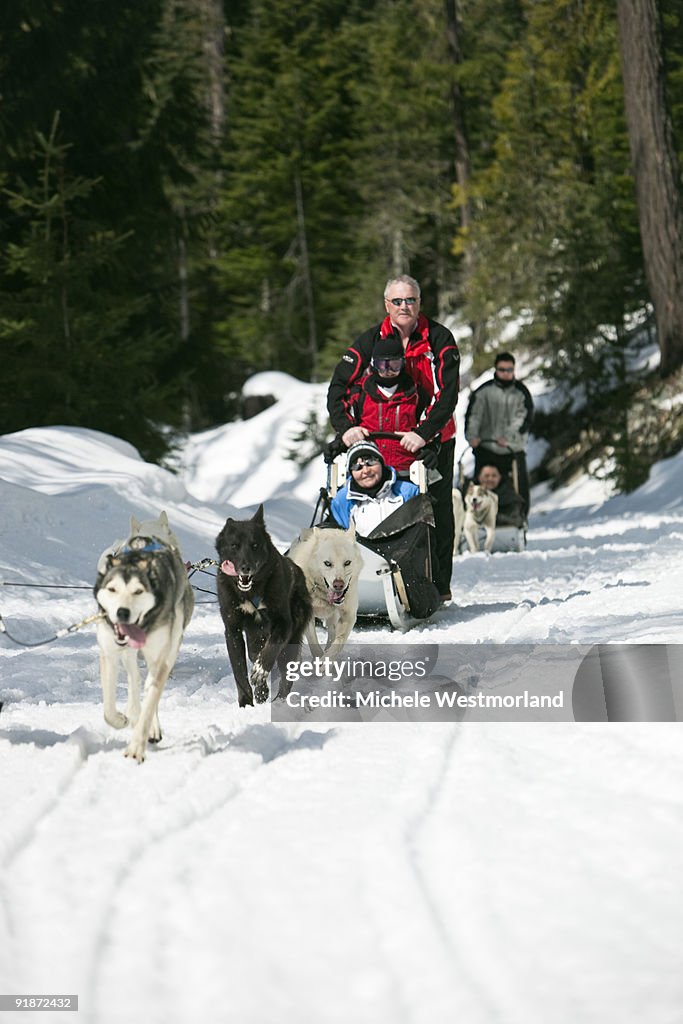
[402,893]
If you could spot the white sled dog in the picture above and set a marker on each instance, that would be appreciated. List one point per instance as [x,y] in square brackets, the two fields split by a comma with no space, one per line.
[143,590]
[331,562]
[481,509]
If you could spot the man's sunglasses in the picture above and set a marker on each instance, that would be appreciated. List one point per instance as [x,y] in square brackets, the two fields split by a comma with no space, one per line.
[398,302]
[389,364]
[358,463]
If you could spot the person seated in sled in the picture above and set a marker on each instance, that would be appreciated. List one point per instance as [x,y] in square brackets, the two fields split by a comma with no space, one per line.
[372,491]
[510,503]
[388,400]
[373,500]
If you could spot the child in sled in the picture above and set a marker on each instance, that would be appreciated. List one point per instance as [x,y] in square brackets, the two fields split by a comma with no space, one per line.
[389,401]
[390,517]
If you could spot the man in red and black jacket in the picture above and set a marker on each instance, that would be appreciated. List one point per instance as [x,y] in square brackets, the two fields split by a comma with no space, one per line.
[433,361]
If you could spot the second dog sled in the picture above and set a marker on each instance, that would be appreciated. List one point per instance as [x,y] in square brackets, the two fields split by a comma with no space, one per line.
[511,530]
[396,577]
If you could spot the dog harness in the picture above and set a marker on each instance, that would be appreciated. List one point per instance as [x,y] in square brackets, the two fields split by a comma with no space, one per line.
[142,546]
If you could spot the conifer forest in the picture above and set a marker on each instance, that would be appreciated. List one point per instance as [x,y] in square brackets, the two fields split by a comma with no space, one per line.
[195,190]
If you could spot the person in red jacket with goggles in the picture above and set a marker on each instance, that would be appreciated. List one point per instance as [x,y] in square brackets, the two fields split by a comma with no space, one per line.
[389,401]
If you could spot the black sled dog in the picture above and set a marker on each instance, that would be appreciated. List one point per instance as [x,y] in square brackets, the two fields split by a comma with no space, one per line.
[263,596]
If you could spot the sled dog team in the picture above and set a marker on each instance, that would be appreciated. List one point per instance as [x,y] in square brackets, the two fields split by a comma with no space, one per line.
[403,370]
[267,601]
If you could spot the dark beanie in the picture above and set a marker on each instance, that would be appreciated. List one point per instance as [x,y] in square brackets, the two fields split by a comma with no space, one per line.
[363,448]
[390,347]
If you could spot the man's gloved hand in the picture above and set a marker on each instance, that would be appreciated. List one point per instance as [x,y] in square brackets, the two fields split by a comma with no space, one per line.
[334,448]
[430,458]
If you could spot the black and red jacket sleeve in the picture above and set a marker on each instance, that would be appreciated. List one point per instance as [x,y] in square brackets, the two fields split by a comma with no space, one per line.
[446,373]
[346,379]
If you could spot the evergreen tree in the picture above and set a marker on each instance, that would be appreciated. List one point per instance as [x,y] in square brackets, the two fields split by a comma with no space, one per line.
[183,85]
[288,189]
[555,239]
[403,158]
[135,132]
[63,322]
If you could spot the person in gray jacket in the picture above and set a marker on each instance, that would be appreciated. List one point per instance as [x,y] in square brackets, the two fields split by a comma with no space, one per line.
[497,423]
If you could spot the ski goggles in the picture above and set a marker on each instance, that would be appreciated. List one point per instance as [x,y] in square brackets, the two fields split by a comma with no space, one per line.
[393,365]
[364,460]
[398,302]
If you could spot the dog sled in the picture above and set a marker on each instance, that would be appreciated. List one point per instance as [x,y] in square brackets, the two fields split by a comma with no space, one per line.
[511,527]
[395,580]
[509,537]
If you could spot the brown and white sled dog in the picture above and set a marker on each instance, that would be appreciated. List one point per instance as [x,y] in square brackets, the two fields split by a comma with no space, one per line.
[481,509]
[143,590]
[331,563]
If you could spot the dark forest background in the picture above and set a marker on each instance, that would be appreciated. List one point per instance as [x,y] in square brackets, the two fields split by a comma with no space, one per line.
[194,190]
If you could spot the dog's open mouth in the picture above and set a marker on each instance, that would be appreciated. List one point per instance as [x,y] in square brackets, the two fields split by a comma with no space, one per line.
[127,633]
[336,595]
[244,580]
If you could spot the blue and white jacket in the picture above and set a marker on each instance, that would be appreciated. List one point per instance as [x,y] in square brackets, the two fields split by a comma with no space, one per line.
[352,505]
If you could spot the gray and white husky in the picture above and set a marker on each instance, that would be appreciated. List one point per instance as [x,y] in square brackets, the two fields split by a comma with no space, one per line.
[481,509]
[331,562]
[143,590]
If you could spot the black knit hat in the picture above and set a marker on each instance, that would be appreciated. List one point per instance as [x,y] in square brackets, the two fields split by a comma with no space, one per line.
[390,347]
[364,449]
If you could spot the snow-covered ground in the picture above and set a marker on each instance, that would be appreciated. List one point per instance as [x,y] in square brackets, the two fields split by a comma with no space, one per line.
[254,871]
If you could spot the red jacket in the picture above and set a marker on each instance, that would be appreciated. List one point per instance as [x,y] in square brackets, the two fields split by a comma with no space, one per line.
[399,412]
[432,360]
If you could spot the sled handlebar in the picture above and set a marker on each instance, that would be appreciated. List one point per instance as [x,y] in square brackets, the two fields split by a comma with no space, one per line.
[385,435]
[337,446]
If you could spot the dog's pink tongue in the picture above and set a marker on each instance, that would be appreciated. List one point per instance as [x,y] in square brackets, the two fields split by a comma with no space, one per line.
[228,568]
[136,636]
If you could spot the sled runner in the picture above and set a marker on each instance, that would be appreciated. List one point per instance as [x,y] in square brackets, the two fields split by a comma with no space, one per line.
[396,577]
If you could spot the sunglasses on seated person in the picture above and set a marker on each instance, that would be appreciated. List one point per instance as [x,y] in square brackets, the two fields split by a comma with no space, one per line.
[395,365]
[362,460]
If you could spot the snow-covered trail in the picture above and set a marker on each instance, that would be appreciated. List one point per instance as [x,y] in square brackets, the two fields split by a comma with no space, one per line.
[254,871]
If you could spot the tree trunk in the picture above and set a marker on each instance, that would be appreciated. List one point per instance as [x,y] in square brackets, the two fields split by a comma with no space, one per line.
[213,42]
[656,171]
[306,272]
[213,23]
[461,148]
[397,253]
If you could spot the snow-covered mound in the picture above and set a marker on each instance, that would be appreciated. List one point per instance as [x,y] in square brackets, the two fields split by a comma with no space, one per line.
[249,461]
[67,493]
